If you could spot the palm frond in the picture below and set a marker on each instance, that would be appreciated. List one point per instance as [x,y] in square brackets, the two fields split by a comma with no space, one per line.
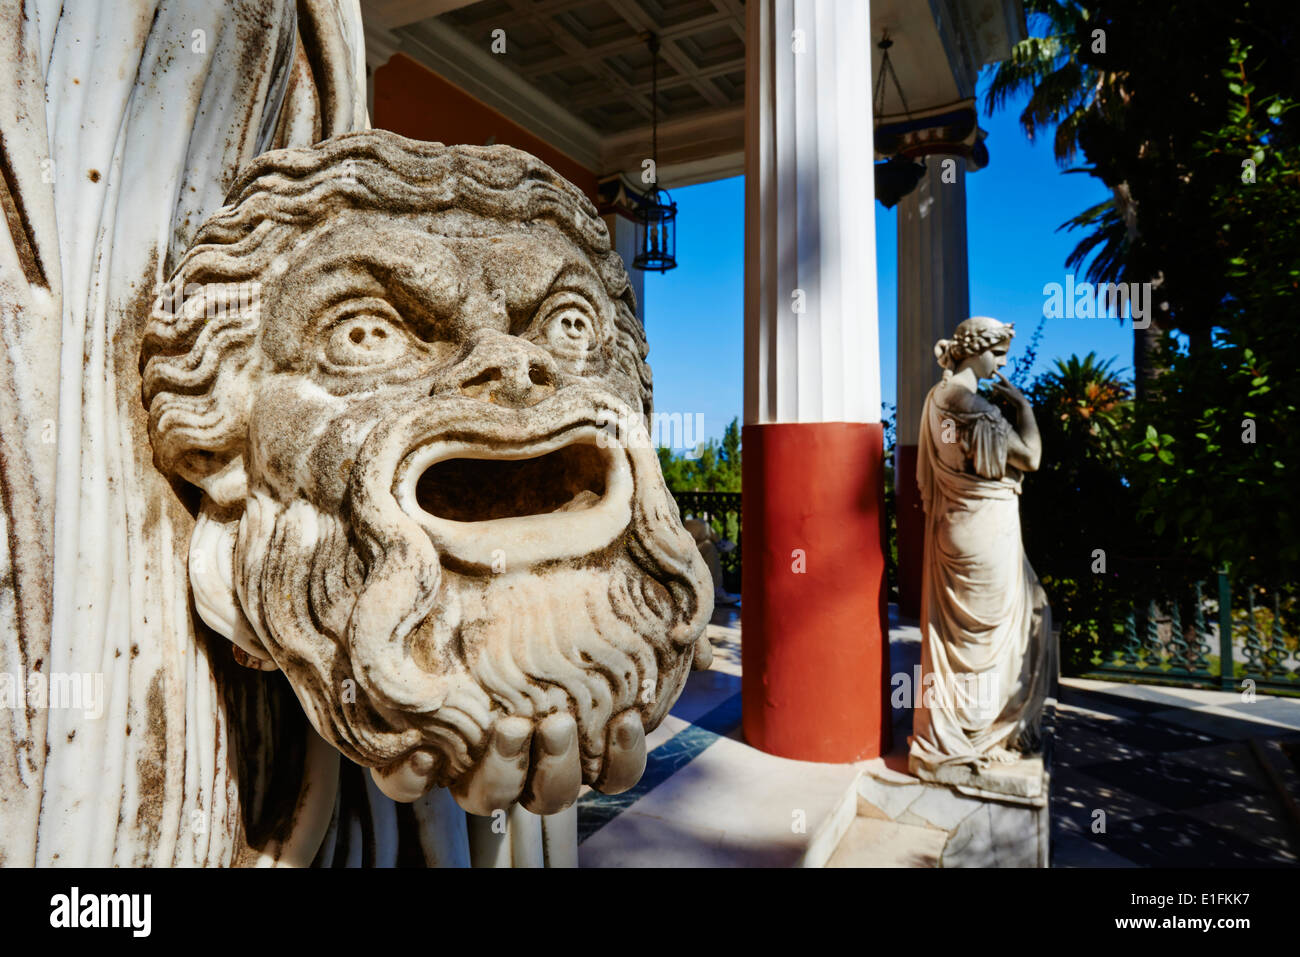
[1058,95]
[1107,244]
[1031,59]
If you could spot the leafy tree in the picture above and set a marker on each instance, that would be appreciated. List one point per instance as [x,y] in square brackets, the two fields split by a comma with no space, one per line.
[1147,142]
[1087,403]
[1187,112]
[1212,455]
[1073,87]
[1063,85]
[1078,514]
[716,467]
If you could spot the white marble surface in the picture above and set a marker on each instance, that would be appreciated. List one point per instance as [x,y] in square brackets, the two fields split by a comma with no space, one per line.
[126,123]
[732,806]
[129,126]
[467,580]
[941,826]
[988,656]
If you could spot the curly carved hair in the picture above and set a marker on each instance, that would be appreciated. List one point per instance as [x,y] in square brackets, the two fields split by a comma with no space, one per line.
[973,336]
[196,354]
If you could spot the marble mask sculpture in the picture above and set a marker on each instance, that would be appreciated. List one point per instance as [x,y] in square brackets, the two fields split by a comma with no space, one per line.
[393,370]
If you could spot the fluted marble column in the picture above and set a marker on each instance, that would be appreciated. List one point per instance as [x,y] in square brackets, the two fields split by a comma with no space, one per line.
[813,508]
[933,297]
[622,237]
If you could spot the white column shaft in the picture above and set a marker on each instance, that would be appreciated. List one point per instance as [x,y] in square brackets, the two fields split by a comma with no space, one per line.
[933,282]
[811,343]
[622,237]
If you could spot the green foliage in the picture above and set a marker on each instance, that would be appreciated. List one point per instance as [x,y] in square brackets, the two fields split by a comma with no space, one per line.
[1217,441]
[716,469]
[1178,97]
[1078,514]
[1103,249]
[889,419]
[1187,112]
[1053,69]
[1211,461]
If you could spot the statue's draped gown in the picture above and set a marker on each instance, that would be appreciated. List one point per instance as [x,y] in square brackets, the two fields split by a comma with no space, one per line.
[986,655]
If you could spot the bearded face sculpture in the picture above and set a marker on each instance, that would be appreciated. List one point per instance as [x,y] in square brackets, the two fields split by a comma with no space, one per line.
[394,370]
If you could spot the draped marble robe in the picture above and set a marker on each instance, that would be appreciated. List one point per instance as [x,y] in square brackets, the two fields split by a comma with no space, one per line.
[122,125]
[987,657]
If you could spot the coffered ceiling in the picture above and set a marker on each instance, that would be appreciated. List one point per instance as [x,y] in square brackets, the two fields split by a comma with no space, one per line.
[578,72]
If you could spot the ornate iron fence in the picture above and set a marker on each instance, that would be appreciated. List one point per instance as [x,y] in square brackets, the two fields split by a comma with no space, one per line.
[722,511]
[1207,635]
[1201,637]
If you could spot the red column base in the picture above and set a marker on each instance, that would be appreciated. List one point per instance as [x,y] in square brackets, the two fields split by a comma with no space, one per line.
[815,644]
[910,519]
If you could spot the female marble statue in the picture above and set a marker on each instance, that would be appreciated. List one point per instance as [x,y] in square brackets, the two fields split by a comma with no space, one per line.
[986,653]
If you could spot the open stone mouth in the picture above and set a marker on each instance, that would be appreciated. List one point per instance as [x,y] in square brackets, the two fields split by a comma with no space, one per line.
[485,503]
[568,479]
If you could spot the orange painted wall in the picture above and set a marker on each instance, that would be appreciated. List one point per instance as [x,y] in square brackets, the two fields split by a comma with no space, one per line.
[416,102]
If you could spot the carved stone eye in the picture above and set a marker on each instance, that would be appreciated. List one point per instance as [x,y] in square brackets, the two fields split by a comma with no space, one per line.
[569,330]
[365,340]
[575,327]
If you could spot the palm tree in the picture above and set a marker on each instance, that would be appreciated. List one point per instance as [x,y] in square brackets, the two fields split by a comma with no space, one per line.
[1065,92]
[1062,87]
[1085,399]
[1106,243]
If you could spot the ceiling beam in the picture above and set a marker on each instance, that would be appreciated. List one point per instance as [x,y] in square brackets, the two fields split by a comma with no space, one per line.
[668,49]
[694,148]
[532,12]
[736,11]
[573,46]
[636,42]
[391,14]
[694,139]
[604,96]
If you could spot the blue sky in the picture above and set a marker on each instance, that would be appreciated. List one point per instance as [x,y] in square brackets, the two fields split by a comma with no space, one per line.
[695,313]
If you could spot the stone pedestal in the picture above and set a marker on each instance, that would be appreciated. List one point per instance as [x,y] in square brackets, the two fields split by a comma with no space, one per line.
[998,817]
[1022,779]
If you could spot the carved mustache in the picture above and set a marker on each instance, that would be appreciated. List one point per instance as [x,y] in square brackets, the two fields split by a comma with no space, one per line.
[403,547]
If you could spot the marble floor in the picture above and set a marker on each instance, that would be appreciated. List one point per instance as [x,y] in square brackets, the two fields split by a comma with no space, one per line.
[1144,776]
[708,799]
[1182,777]
[1150,776]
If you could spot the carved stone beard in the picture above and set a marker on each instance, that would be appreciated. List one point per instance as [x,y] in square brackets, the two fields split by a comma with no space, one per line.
[393,648]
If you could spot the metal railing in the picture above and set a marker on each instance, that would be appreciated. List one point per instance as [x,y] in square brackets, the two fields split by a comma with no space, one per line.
[1200,638]
[722,511]
[1207,635]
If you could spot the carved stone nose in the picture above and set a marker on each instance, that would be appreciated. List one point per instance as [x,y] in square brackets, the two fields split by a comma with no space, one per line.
[507,371]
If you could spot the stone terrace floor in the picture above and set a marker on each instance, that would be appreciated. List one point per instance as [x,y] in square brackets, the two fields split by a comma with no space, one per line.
[707,799]
[1184,777]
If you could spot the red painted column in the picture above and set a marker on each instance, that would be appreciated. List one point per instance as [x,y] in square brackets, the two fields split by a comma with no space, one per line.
[910,518]
[814,648]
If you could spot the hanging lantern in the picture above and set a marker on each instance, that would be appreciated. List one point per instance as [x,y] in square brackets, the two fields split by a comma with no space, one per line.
[656,218]
[898,175]
[656,232]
